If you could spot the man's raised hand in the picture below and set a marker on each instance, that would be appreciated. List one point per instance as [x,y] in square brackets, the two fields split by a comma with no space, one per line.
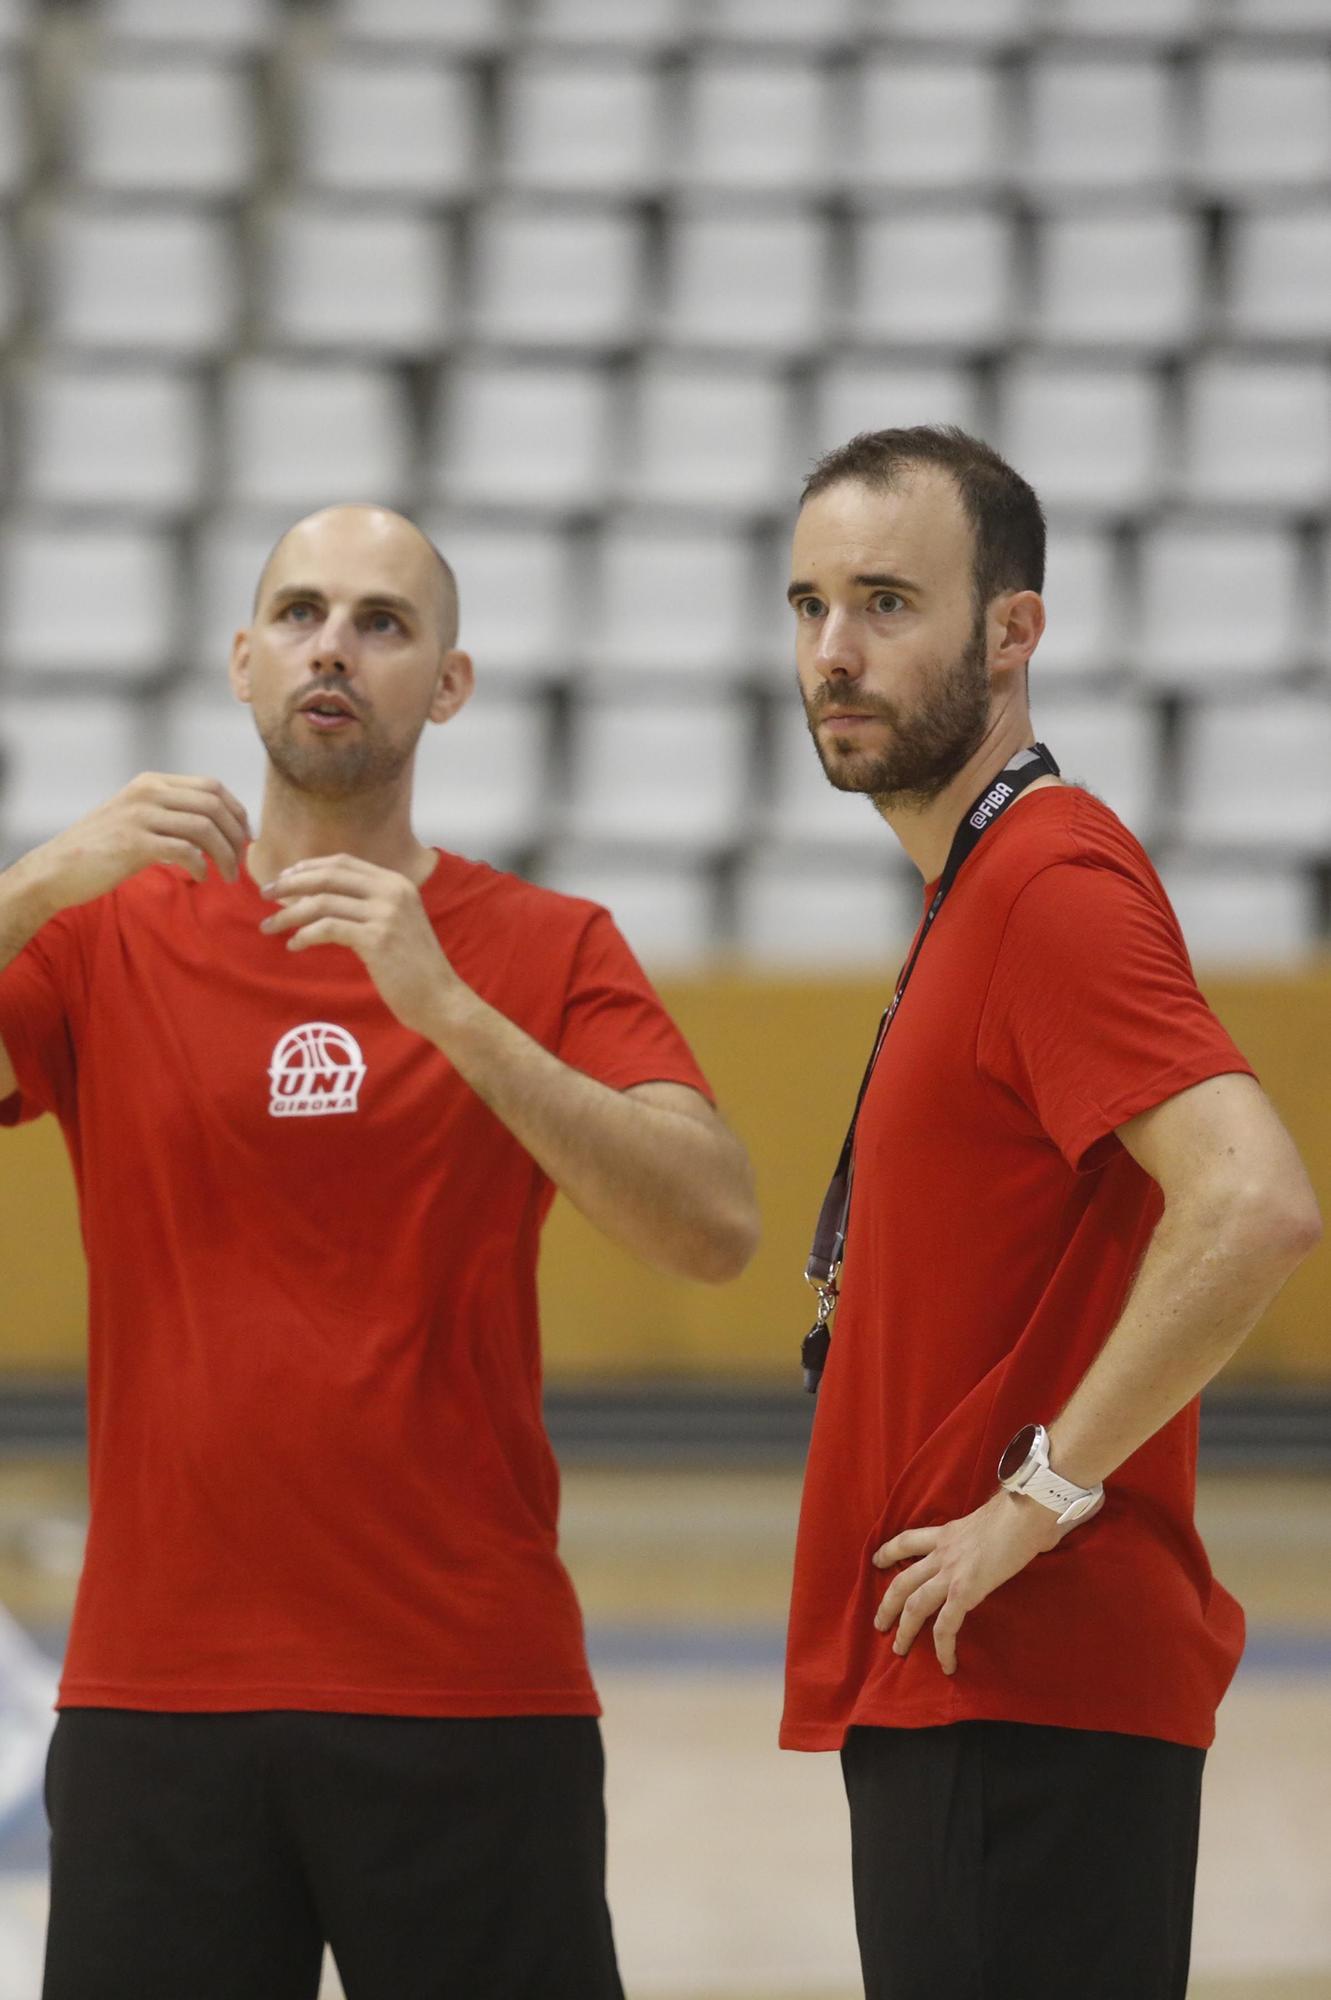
[156,818]
[378,914]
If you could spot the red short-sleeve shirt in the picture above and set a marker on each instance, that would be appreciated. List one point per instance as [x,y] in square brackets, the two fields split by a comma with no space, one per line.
[995,1227]
[319,1473]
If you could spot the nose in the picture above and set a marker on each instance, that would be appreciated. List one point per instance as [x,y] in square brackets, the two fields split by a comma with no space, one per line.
[335,648]
[837,654]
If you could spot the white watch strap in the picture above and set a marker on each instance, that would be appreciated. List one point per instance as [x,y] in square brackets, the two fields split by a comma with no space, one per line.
[1041,1484]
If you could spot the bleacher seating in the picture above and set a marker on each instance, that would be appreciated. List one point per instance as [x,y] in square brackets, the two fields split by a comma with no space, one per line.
[140,280]
[390,129]
[522,434]
[656,772]
[164,128]
[124,438]
[794,913]
[545,277]
[587,287]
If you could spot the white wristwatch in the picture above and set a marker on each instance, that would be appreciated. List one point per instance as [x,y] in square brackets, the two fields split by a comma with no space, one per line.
[1024,1468]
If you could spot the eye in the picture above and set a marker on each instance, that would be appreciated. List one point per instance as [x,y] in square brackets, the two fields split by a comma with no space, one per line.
[885,600]
[383,622]
[297,612]
[808,607]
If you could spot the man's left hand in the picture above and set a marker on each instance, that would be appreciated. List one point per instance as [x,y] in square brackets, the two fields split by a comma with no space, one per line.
[955,1567]
[379,915]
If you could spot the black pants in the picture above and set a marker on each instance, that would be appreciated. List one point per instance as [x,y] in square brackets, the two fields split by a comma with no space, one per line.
[996,1860]
[209,1857]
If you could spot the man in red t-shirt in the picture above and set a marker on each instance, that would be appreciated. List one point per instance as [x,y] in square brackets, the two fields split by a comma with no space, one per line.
[1068,1203]
[326,1679]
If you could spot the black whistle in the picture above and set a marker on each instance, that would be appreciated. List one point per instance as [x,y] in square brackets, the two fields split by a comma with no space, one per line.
[813,1354]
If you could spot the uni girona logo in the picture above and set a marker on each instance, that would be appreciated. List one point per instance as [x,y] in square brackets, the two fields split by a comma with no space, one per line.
[317,1069]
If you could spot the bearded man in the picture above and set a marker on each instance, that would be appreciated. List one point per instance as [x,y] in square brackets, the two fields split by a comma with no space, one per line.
[1063,1203]
[326,1679]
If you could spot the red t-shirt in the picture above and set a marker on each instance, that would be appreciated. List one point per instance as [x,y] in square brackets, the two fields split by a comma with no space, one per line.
[996,1225]
[319,1474]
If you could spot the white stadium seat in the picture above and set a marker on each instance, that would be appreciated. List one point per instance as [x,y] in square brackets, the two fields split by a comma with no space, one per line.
[932,278]
[1138,20]
[756,126]
[14,134]
[647,772]
[580,125]
[178,129]
[1100,123]
[781,23]
[1110,744]
[373,277]
[1085,437]
[471,27]
[1274,16]
[664,906]
[123,438]
[222,27]
[556,277]
[756,281]
[210,734]
[1254,775]
[648,25]
[157,281]
[671,607]
[928,127]
[17,20]
[61,758]
[968,22]
[1265,121]
[1279,277]
[1124,278]
[708,437]
[859,394]
[95,602]
[1219,604]
[1084,598]
[800,807]
[518,589]
[229,555]
[303,435]
[1257,433]
[482,782]
[522,435]
[797,913]
[1243,916]
[409,129]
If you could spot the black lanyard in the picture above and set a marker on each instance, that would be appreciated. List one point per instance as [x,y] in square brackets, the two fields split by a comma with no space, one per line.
[829,1238]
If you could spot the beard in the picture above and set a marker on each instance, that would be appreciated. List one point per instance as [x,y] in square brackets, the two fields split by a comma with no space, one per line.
[333,768]
[926,750]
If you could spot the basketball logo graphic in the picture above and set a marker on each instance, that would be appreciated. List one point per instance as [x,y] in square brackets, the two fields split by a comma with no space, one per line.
[316,1069]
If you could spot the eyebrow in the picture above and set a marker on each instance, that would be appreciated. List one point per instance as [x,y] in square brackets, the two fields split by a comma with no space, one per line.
[377,600]
[869,579]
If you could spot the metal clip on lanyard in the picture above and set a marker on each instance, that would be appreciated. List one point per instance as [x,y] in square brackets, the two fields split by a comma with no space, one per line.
[829,1238]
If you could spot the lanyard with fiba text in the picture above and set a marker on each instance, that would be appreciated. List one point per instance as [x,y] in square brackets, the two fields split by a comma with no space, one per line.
[829,1240]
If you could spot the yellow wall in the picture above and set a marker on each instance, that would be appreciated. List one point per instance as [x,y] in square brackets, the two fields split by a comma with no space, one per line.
[785,1058]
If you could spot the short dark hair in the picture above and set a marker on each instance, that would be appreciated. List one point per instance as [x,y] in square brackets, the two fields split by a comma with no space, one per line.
[1005,516]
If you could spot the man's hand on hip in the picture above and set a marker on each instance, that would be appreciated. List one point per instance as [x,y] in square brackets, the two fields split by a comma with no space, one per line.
[378,914]
[955,1567]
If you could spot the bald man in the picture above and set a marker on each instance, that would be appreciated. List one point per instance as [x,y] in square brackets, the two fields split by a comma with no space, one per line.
[326,1679]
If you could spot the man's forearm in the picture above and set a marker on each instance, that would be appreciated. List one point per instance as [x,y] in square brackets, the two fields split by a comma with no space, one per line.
[1208,1276]
[673,1188]
[25,905]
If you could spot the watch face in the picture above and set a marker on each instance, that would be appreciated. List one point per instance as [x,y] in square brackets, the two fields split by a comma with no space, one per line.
[1017,1452]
